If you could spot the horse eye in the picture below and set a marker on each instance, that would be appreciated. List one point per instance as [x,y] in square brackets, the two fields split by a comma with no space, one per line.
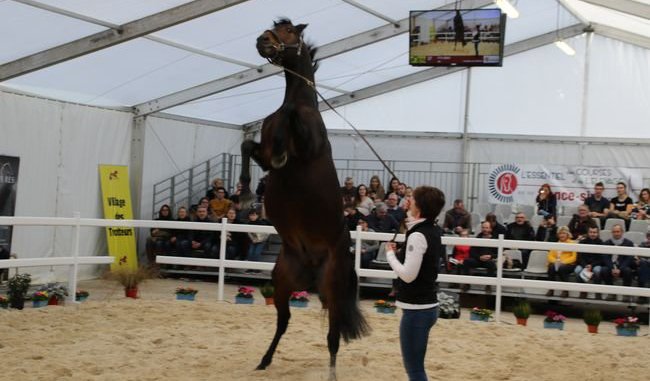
[289,30]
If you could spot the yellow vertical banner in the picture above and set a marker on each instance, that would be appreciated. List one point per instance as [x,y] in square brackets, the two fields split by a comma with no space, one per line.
[116,197]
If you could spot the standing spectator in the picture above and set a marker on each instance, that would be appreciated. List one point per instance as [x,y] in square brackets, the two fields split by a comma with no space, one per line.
[621,206]
[381,221]
[547,230]
[158,242]
[561,263]
[590,265]
[377,188]
[364,203]
[393,208]
[497,228]
[204,239]
[476,38]
[216,184]
[521,230]
[348,191]
[457,218]
[257,240]
[597,204]
[220,205]
[619,266]
[546,201]
[484,257]
[580,223]
[181,238]
[641,210]
[643,264]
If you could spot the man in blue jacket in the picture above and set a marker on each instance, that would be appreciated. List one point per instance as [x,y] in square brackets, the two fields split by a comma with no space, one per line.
[619,266]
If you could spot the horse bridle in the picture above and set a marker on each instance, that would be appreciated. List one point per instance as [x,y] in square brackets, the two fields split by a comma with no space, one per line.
[280,47]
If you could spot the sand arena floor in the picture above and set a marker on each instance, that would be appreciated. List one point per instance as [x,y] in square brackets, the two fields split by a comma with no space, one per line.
[110,337]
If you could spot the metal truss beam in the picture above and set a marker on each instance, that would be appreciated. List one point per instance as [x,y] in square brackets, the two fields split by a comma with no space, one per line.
[622,35]
[630,7]
[110,37]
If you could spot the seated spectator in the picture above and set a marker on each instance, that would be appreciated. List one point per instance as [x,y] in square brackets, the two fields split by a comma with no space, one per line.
[619,266]
[352,216]
[521,230]
[546,201]
[392,206]
[408,195]
[348,191]
[204,240]
[597,204]
[483,257]
[458,256]
[643,264]
[158,242]
[242,215]
[393,187]
[261,188]
[202,202]
[181,238]
[212,192]
[219,205]
[376,188]
[561,263]
[592,264]
[497,228]
[369,249]
[236,242]
[641,211]
[580,223]
[457,218]
[363,202]
[401,191]
[381,221]
[256,240]
[547,231]
[621,206]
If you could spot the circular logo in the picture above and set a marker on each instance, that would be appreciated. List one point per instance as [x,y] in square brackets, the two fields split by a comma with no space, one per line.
[503,181]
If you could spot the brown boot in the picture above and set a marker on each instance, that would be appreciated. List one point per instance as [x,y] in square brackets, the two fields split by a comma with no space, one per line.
[549,293]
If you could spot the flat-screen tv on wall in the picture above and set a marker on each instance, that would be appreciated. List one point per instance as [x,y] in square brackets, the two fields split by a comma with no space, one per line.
[463,37]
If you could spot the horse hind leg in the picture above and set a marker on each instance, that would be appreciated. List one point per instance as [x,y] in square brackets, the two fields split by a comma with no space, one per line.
[333,342]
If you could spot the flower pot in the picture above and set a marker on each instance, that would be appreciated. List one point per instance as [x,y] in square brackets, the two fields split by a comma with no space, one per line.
[242,300]
[477,317]
[623,331]
[131,292]
[522,321]
[54,301]
[554,325]
[269,301]
[39,303]
[185,297]
[592,328]
[298,303]
[384,310]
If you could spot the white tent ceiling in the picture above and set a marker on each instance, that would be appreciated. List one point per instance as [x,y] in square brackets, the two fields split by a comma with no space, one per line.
[193,68]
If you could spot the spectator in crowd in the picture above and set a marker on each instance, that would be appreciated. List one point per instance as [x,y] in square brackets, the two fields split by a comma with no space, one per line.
[158,242]
[408,196]
[205,202]
[369,248]
[580,223]
[483,257]
[381,221]
[458,256]
[598,205]
[521,230]
[457,218]
[497,228]
[256,240]
[393,208]
[393,186]
[641,211]
[242,215]
[352,216]
[643,264]
[619,266]
[547,231]
[216,184]
[546,201]
[182,238]
[561,263]
[377,188]
[621,206]
[590,265]
[401,191]
[219,205]
[348,191]
[261,188]
[204,240]
[236,242]
[363,203]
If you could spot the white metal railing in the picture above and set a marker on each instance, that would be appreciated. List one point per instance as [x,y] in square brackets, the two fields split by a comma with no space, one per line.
[222,263]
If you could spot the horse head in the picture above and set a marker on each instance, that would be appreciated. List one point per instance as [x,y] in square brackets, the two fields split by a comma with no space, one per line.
[282,42]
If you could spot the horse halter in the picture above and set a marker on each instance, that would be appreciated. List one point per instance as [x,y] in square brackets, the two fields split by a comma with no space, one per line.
[280,47]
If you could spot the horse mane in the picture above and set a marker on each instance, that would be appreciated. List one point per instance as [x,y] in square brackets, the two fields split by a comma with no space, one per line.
[308,44]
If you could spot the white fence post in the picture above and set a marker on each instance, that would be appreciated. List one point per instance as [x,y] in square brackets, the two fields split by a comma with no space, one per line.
[497,312]
[357,258]
[74,267]
[222,259]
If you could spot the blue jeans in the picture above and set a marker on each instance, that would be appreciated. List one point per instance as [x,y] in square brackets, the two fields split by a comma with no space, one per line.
[413,338]
[255,251]
[594,269]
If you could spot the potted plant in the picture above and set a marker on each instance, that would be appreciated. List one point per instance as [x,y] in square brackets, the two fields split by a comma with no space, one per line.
[17,288]
[449,306]
[592,318]
[244,295]
[385,307]
[40,298]
[554,320]
[267,292]
[57,293]
[299,299]
[627,326]
[522,312]
[480,314]
[185,293]
[4,302]
[81,295]
[131,278]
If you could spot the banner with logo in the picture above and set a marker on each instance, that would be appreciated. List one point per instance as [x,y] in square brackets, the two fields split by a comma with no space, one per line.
[520,183]
[8,189]
[116,197]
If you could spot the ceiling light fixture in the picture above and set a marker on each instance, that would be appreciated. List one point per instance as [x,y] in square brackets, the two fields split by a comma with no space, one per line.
[559,42]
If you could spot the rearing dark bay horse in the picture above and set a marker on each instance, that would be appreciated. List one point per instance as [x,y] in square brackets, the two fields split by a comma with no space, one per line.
[302,196]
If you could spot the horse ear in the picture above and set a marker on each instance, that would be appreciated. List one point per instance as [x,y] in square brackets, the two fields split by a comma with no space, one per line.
[301,27]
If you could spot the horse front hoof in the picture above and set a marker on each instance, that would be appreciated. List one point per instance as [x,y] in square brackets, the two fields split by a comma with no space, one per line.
[261,367]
